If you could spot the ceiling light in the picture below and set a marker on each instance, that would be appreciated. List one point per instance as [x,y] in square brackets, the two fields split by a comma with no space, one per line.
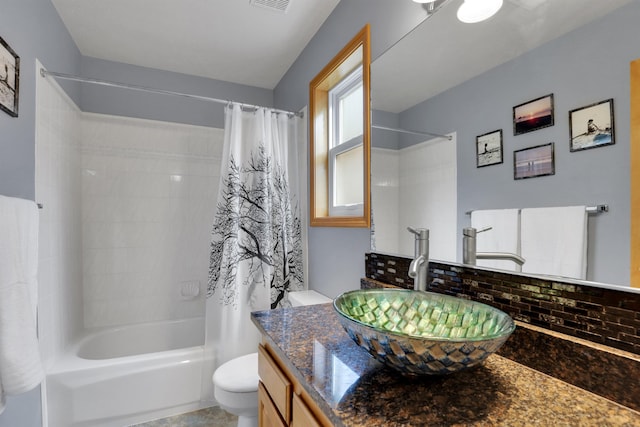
[472,11]
[424,1]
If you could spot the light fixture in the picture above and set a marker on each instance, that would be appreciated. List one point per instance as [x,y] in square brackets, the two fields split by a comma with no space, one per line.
[472,11]
[424,1]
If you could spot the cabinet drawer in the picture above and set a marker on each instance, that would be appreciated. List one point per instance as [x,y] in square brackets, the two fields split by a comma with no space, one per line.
[268,415]
[302,416]
[276,382]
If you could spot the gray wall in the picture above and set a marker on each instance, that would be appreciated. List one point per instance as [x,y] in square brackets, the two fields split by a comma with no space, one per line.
[33,30]
[384,138]
[144,105]
[586,66]
[336,255]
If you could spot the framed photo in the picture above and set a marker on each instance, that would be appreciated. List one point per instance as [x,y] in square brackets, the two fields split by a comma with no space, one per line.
[534,161]
[9,78]
[592,126]
[489,148]
[533,115]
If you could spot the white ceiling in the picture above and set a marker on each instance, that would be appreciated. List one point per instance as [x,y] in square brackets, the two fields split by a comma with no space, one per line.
[442,52]
[229,40]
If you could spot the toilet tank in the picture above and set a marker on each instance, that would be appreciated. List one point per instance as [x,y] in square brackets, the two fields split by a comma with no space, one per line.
[309,297]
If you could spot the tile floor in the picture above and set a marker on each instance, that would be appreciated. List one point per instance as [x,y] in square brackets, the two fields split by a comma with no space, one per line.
[208,417]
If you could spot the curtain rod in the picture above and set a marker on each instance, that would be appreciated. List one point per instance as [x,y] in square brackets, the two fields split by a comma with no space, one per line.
[63,76]
[412,132]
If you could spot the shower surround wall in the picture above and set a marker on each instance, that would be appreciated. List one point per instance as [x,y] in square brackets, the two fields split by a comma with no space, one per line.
[127,210]
[57,188]
[148,198]
[415,186]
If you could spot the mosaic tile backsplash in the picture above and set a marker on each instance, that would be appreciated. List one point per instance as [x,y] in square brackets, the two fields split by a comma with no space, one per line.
[603,316]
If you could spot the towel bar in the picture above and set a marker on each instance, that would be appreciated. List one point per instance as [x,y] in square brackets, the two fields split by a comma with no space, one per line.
[597,209]
[590,209]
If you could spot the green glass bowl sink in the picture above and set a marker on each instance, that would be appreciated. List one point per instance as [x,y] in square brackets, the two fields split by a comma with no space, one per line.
[422,333]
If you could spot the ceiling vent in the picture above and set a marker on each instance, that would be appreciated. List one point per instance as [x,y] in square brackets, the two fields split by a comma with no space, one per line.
[275,5]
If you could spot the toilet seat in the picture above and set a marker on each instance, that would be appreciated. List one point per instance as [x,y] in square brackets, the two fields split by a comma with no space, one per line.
[235,383]
[239,375]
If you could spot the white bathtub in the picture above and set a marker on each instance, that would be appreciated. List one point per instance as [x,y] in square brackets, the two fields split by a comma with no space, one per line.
[126,375]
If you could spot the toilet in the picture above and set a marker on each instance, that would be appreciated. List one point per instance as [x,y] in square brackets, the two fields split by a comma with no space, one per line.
[235,383]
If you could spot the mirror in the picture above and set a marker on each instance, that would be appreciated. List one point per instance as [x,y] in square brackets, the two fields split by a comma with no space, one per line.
[463,80]
[340,138]
[635,173]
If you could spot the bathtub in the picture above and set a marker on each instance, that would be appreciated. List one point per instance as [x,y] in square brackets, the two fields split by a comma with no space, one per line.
[125,375]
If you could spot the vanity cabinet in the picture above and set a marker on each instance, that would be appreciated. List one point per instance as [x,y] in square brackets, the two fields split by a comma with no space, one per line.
[282,402]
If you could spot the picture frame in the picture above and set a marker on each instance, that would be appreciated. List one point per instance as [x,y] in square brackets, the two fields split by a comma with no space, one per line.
[591,126]
[534,161]
[533,115]
[9,79]
[489,149]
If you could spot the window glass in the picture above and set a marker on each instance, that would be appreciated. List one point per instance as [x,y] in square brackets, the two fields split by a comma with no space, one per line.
[350,115]
[349,174]
[346,170]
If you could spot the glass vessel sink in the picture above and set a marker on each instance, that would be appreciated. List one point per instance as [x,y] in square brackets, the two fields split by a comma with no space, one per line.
[422,333]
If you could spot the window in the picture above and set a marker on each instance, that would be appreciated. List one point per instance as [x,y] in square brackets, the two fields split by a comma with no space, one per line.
[339,138]
[346,174]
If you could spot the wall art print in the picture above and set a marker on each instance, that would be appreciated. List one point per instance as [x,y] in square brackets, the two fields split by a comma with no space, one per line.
[9,79]
[534,161]
[489,149]
[533,115]
[592,126]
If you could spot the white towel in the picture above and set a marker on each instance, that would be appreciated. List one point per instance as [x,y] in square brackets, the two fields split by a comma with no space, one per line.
[20,364]
[554,241]
[504,235]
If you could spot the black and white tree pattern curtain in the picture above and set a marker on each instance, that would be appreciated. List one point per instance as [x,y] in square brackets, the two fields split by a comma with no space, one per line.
[257,236]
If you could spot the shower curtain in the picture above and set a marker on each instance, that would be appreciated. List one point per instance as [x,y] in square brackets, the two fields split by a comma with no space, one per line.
[256,244]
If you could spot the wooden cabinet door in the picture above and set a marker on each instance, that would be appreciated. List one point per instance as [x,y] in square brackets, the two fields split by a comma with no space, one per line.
[276,382]
[268,415]
[302,416]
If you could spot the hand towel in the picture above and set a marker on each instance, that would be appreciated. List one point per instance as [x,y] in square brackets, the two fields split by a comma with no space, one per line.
[554,241]
[20,364]
[504,235]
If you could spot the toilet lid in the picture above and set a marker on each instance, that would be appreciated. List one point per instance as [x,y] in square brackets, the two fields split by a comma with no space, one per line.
[239,375]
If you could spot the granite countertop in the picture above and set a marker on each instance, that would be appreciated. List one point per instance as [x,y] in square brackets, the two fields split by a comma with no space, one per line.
[353,389]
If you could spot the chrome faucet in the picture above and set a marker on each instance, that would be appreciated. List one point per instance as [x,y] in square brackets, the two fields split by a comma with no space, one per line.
[470,253]
[419,267]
